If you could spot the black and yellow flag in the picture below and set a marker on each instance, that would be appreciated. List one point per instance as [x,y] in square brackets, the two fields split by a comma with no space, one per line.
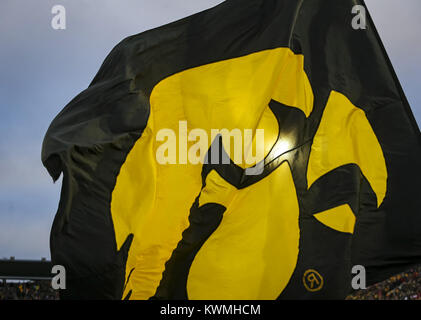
[341,171]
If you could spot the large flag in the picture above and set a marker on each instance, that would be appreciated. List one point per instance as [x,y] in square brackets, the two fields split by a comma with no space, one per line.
[145,213]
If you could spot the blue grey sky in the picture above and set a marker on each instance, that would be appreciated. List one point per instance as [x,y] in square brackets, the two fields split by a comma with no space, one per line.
[42,69]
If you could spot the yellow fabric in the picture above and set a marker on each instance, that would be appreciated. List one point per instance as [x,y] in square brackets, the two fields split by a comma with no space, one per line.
[294,88]
[340,218]
[254,251]
[345,136]
[217,190]
[152,201]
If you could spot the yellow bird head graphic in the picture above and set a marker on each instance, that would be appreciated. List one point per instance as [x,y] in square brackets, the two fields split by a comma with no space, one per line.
[212,231]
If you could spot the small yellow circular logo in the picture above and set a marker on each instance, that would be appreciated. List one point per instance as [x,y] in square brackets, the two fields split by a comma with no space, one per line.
[312,280]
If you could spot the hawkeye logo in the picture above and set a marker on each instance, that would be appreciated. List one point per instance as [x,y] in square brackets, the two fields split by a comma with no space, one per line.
[225,234]
[312,280]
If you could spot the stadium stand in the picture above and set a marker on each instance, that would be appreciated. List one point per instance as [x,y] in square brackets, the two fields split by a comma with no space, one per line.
[26,280]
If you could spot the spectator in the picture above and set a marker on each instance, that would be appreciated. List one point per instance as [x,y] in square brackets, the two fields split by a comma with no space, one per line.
[33,290]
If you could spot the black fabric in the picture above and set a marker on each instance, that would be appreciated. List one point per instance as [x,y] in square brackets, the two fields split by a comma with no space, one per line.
[90,139]
[204,221]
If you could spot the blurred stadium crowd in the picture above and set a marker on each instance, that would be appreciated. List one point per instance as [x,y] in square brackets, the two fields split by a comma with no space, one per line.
[404,286]
[31,290]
